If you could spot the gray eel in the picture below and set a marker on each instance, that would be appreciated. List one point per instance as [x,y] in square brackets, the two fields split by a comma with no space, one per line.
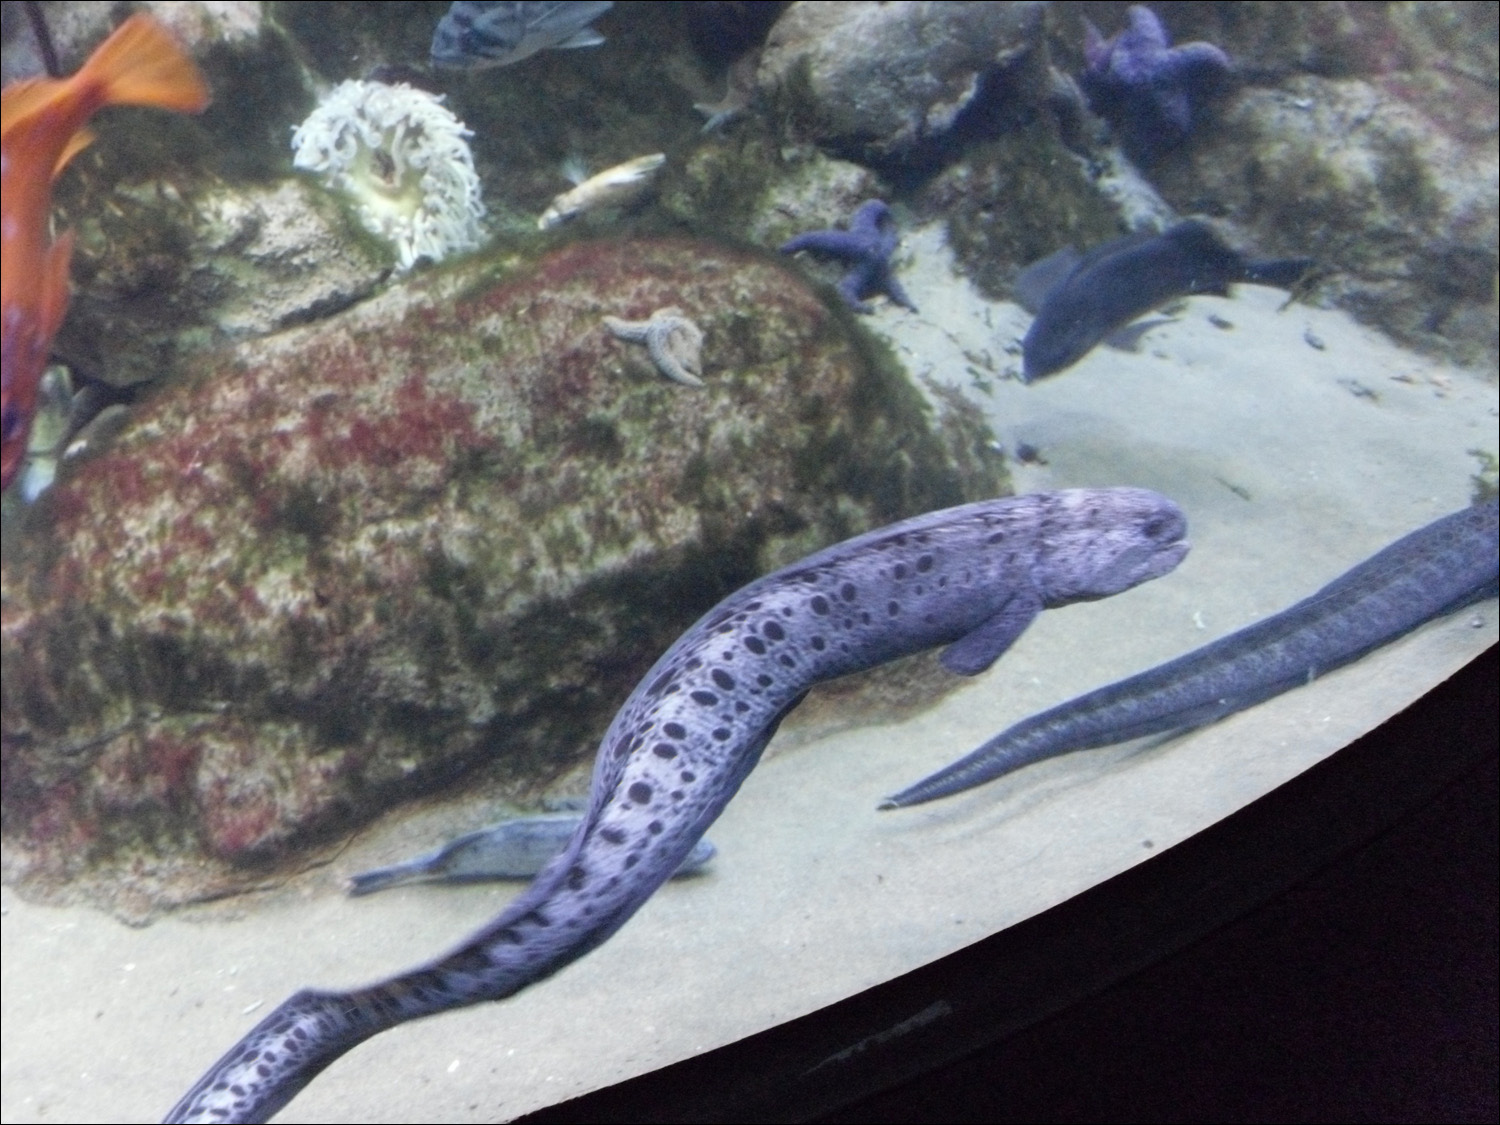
[1442,567]
[972,578]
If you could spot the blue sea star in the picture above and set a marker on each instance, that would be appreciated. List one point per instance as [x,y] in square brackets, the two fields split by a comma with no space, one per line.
[867,246]
[1144,87]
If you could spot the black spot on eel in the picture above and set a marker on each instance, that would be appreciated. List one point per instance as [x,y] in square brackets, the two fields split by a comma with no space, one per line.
[1437,569]
[972,578]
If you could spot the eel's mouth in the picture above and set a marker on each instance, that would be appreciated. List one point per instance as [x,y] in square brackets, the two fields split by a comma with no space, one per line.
[1130,536]
[1166,546]
[1166,559]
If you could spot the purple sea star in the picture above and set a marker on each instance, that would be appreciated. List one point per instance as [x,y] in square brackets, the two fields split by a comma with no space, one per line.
[1148,90]
[867,246]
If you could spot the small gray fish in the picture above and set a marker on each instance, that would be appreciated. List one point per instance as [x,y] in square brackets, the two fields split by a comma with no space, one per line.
[1080,300]
[512,849]
[474,34]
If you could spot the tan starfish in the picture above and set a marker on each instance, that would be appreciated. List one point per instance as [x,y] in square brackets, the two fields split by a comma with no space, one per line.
[674,341]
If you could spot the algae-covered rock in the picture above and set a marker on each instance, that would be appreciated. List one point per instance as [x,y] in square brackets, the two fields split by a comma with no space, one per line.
[751,189]
[185,231]
[1402,213]
[877,81]
[165,277]
[439,535]
[1017,199]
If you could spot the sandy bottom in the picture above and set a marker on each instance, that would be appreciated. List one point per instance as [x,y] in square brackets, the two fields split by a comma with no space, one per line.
[1298,443]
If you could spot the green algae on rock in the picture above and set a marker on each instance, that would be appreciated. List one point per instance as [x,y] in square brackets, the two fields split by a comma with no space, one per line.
[441,532]
[1015,200]
[880,82]
[1401,211]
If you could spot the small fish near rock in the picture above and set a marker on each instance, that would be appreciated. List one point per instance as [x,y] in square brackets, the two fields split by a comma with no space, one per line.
[71,410]
[512,849]
[674,341]
[1079,300]
[473,34]
[739,92]
[1150,92]
[867,247]
[614,187]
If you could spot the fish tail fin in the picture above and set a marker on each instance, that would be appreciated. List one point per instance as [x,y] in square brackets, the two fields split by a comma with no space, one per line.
[53,287]
[1284,273]
[28,139]
[141,64]
[368,882]
[76,144]
[25,97]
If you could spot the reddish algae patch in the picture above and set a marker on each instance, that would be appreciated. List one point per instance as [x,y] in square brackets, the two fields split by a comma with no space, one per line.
[404,547]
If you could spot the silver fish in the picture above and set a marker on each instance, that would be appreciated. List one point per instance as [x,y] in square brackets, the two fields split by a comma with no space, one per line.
[474,35]
[613,187]
[512,849]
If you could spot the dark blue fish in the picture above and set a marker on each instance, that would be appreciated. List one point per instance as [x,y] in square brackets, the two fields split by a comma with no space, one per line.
[1438,569]
[473,34]
[1080,300]
[971,578]
[512,849]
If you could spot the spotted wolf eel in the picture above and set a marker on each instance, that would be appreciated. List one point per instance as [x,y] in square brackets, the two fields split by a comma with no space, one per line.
[972,578]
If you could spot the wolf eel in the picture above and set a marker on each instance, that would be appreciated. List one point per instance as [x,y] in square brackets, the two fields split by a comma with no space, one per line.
[972,578]
[1450,563]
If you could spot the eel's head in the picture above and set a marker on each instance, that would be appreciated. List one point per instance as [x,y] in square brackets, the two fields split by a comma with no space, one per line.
[1100,541]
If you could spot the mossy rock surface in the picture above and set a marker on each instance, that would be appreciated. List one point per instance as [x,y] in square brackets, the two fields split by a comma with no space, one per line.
[1399,212]
[436,537]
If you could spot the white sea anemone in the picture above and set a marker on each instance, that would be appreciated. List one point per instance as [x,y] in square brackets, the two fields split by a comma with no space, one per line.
[404,159]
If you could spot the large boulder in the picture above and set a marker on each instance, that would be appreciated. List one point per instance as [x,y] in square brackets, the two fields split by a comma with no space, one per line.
[1399,209]
[882,81]
[438,536]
